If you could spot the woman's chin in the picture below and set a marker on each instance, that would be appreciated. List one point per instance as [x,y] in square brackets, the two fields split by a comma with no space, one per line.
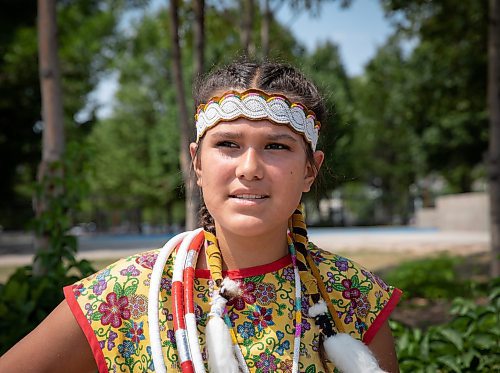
[251,226]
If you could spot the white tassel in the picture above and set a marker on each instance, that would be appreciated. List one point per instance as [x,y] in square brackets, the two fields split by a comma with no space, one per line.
[318,309]
[221,357]
[350,355]
[230,288]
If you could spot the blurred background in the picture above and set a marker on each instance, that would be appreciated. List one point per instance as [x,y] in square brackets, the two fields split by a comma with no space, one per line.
[94,126]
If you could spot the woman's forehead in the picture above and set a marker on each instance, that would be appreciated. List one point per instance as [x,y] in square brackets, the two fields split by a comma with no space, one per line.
[243,126]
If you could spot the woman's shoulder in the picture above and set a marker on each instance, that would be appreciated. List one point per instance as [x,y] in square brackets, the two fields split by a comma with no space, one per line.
[325,259]
[125,277]
[335,268]
[363,300]
[136,265]
[111,308]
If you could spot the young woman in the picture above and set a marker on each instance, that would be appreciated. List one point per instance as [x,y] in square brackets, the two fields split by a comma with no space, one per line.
[248,292]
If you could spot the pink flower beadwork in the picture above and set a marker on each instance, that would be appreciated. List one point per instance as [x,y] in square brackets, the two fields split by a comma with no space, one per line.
[130,271]
[247,296]
[147,260]
[114,310]
[265,293]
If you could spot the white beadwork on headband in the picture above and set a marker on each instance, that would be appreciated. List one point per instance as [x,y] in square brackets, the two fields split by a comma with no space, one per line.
[255,105]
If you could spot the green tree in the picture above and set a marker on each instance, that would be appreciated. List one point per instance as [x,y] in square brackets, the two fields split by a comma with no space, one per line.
[447,73]
[385,145]
[85,31]
[325,67]
[20,109]
[135,163]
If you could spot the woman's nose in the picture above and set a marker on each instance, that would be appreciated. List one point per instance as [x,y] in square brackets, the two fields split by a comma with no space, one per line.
[250,165]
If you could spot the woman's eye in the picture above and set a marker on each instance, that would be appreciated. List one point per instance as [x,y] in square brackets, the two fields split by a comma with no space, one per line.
[226,144]
[276,146]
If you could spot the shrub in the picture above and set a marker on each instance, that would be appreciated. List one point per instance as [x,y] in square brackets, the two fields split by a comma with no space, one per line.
[468,343]
[25,299]
[430,278]
[29,296]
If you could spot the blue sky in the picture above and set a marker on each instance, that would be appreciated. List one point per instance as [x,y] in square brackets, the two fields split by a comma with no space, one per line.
[357,30]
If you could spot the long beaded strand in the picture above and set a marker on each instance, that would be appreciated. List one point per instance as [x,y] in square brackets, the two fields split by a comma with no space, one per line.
[298,307]
[299,232]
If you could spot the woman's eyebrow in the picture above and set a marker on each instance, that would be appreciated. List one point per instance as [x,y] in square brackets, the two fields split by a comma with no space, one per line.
[227,135]
[281,137]
[232,135]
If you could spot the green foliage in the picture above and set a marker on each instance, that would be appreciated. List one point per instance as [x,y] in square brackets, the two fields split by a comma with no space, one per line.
[86,40]
[385,145]
[142,132]
[325,67]
[428,278]
[32,292]
[19,108]
[468,343]
[446,79]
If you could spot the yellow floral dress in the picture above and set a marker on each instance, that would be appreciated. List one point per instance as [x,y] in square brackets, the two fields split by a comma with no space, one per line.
[111,308]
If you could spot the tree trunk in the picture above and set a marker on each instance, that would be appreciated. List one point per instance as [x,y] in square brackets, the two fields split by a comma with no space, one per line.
[199,69]
[248,8]
[199,37]
[494,145]
[52,115]
[186,127]
[265,27]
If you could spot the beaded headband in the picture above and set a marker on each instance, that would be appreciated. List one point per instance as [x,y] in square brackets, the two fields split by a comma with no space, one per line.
[254,104]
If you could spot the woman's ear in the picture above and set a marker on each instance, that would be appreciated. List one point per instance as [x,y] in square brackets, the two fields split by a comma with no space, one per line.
[193,149]
[312,170]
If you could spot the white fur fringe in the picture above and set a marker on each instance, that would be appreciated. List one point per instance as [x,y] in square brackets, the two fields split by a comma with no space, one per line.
[218,339]
[350,355]
[230,288]
[318,309]
[221,357]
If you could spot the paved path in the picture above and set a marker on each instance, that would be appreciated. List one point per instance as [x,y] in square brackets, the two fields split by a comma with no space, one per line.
[409,241]
[398,240]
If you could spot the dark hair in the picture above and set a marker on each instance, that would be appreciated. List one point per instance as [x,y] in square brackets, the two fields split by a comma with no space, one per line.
[271,77]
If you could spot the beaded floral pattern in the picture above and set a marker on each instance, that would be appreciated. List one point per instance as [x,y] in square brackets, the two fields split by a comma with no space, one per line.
[113,304]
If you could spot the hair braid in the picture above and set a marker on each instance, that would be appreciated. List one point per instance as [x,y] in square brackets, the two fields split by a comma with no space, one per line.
[299,235]
[206,219]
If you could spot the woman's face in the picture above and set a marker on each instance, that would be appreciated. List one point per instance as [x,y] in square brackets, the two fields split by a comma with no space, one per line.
[253,174]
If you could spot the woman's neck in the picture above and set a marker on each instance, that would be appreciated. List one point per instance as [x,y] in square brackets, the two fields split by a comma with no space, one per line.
[244,252]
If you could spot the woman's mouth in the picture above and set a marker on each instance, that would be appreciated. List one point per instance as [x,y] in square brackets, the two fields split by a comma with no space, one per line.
[249,196]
